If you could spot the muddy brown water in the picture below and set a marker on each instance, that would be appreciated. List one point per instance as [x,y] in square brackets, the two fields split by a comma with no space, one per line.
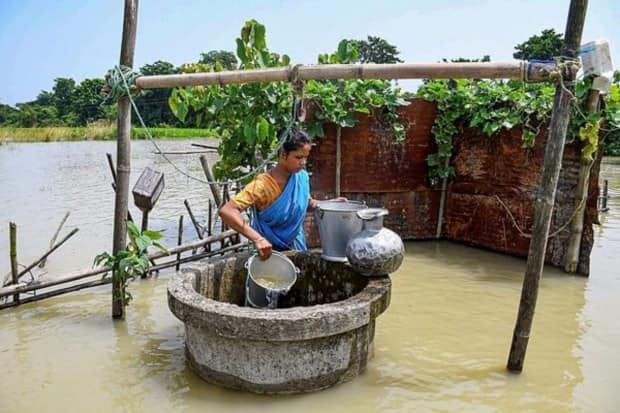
[441,346]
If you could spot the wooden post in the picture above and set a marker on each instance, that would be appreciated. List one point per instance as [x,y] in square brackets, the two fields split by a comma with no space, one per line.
[199,230]
[13,255]
[217,197]
[338,159]
[179,242]
[546,193]
[604,207]
[123,150]
[53,240]
[442,200]
[581,198]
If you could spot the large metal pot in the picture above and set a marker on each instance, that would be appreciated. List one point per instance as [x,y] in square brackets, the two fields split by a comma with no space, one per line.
[376,250]
[337,222]
[277,269]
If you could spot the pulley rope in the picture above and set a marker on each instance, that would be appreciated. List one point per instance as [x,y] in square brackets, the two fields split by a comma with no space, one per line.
[260,167]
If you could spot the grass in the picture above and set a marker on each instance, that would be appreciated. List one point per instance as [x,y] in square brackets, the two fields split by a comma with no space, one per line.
[94,132]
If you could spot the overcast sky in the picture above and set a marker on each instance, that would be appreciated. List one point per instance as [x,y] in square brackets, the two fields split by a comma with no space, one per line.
[41,40]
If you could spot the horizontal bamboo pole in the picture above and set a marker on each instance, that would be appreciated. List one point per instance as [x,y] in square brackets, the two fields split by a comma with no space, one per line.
[535,72]
[108,280]
[23,287]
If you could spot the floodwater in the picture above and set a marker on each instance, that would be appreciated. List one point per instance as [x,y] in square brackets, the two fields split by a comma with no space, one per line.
[441,346]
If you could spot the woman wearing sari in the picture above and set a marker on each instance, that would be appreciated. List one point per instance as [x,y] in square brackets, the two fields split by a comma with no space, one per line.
[278,200]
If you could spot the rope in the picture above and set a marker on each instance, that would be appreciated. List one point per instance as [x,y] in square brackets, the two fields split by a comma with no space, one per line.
[523,234]
[119,82]
[127,92]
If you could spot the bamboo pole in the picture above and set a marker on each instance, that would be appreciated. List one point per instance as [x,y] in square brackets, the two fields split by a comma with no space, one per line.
[197,227]
[217,196]
[23,287]
[574,245]
[546,193]
[530,71]
[179,241]
[13,255]
[184,152]
[202,145]
[104,281]
[442,200]
[338,158]
[53,240]
[605,197]
[47,254]
[123,150]
[59,291]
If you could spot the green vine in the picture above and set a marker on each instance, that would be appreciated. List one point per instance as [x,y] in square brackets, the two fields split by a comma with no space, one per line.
[249,116]
[490,106]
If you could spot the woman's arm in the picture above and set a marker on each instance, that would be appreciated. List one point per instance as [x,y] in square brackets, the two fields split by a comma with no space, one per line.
[231,215]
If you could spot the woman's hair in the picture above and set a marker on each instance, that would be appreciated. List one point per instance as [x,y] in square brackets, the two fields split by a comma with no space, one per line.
[296,139]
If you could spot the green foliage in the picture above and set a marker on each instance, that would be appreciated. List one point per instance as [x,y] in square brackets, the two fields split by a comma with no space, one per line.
[485,58]
[226,59]
[62,95]
[86,101]
[611,126]
[153,103]
[376,50]
[339,101]
[544,47]
[248,116]
[488,106]
[492,106]
[131,262]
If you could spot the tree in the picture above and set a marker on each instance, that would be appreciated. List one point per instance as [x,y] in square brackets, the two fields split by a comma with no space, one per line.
[87,99]
[8,114]
[226,59]
[543,47]
[153,103]
[63,91]
[377,50]
[485,58]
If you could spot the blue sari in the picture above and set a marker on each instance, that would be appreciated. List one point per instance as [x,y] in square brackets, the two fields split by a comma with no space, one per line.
[281,223]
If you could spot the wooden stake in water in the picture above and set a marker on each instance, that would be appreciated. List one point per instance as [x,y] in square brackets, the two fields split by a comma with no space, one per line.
[179,242]
[13,255]
[123,151]
[546,193]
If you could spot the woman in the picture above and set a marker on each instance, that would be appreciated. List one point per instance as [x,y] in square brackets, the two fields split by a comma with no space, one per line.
[279,200]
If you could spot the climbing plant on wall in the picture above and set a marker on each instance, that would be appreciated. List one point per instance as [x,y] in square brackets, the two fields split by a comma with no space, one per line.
[490,106]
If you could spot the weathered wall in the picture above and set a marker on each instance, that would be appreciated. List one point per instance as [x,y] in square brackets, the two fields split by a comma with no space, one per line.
[492,176]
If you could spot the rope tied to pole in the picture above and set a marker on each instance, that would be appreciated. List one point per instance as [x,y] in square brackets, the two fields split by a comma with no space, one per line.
[120,81]
[565,73]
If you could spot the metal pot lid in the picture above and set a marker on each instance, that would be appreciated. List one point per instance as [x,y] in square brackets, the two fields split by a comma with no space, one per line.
[342,206]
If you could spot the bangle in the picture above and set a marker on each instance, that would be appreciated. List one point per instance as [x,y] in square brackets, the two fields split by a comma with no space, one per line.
[258,240]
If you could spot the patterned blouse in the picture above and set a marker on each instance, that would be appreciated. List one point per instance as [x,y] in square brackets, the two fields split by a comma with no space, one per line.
[261,192]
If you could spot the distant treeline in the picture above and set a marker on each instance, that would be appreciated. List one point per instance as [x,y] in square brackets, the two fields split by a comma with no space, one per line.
[73,104]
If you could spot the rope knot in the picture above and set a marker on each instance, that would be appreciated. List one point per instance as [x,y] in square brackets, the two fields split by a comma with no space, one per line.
[120,81]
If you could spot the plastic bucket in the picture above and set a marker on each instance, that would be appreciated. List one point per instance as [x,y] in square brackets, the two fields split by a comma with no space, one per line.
[337,222]
[269,279]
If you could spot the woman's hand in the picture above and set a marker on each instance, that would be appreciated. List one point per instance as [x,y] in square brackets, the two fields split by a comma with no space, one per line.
[264,248]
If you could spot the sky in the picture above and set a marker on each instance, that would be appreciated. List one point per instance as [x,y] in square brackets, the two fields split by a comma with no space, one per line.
[41,40]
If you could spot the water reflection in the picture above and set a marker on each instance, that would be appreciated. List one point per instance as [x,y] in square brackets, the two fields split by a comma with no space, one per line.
[442,345]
